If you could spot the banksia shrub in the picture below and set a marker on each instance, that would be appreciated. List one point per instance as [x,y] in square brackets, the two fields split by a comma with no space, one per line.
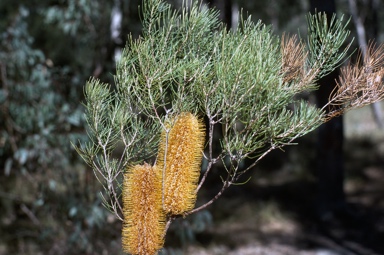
[246,83]
[180,155]
[144,220]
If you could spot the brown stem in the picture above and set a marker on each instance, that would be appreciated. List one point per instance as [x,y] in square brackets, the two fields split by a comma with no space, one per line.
[210,157]
[169,221]
[226,184]
[5,109]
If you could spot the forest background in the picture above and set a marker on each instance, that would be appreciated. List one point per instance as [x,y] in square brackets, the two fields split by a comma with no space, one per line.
[49,199]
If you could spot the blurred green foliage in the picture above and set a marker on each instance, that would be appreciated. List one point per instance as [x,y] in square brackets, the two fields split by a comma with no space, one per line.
[47,50]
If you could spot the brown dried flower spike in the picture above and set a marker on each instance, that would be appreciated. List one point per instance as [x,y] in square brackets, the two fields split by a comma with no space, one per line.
[144,219]
[180,156]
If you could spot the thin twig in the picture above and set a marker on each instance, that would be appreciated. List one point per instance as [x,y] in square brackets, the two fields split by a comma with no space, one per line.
[5,109]
[30,214]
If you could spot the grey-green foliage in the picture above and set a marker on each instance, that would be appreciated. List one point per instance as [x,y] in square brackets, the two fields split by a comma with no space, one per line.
[324,41]
[188,61]
[252,98]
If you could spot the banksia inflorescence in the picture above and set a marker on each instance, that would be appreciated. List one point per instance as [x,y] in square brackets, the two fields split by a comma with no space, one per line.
[179,159]
[144,219]
[149,192]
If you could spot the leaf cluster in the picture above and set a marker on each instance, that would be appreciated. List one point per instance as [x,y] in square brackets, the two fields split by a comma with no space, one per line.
[325,39]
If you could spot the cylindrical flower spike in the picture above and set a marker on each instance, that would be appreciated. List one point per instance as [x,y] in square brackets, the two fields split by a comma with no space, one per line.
[179,159]
[144,218]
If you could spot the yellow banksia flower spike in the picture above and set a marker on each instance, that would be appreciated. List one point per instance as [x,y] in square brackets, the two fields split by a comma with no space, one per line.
[182,162]
[144,218]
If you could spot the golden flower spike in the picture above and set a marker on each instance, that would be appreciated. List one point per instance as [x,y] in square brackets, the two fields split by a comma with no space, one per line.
[144,218]
[181,164]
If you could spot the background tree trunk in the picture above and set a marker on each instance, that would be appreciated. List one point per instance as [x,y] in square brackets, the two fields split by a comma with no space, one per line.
[329,165]
[366,23]
[116,26]
[225,7]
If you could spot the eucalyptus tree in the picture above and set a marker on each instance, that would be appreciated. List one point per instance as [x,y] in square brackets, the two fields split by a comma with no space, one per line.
[47,49]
